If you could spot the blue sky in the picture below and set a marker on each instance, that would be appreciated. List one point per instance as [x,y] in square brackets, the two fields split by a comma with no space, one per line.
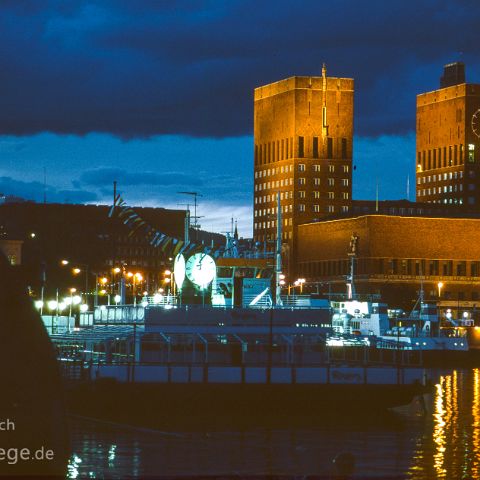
[159,95]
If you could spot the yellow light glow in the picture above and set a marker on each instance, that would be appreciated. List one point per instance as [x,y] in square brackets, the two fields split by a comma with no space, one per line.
[116,270]
[64,262]
[139,276]
[76,271]
[129,274]
[168,272]
[73,290]
[104,280]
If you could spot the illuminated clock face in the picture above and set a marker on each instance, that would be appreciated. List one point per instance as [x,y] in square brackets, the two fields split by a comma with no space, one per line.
[179,270]
[200,269]
[476,123]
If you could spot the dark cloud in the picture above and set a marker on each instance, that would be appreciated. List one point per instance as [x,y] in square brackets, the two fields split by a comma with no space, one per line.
[35,191]
[100,177]
[142,68]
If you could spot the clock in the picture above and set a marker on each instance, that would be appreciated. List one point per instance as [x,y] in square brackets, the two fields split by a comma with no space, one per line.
[200,269]
[179,270]
[476,123]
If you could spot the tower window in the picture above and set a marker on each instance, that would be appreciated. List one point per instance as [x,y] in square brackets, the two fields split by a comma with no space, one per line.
[344,148]
[329,147]
[315,147]
[301,151]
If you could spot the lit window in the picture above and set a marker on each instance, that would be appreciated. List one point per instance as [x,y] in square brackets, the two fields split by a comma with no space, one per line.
[301,194]
[316,168]
[316,181]
[331,209]
[331,168]
[301,167]
[301,181]
[331,182]
[301,207]
[344,208]
[316,194]
[346,169]
[331,195]
[345,195]
[316,208]
[345,182]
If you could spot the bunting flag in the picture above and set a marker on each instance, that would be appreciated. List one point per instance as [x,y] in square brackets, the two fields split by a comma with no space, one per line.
[169,245]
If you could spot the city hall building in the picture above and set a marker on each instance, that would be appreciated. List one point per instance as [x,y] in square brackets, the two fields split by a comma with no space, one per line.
[396,256]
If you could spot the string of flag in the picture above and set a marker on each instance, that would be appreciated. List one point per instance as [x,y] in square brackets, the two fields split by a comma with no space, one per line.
[169,245]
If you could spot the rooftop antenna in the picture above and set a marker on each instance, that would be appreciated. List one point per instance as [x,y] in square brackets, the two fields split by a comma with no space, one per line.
[376,197]
[408,187]
[195,225]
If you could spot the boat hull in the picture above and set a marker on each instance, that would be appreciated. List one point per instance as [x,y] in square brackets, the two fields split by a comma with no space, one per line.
[155,404]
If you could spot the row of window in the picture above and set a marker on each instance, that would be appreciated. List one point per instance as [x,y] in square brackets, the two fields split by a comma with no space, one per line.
[443,177]
[302,167]
[301,194]
[444,189]
[344,182]
[274,151]
[301,207]
[272,211]
[270,237]
[392,266]
[287,222]
[273,198]
[444,157]
[470,200]
[275,171]
[283,149]
[277,184]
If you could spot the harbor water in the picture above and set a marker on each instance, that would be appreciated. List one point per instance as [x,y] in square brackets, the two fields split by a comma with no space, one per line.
[438,438]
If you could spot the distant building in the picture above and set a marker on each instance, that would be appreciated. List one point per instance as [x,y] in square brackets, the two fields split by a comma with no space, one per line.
[12,249]
[396,255]
[448,142]
[303,130]
[88,238]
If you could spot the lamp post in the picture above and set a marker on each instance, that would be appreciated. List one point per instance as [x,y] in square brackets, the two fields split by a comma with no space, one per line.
[115,271]
[440,286]
[168,280]
[135,277]
[76,271]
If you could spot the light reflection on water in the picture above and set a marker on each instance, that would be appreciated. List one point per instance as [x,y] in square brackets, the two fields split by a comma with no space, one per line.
[444,443]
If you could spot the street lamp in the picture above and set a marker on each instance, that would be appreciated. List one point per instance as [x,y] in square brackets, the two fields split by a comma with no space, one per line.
[440,286]
[76,270]
[115,271]
[135,277]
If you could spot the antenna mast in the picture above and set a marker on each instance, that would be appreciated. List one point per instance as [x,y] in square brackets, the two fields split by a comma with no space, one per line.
[278,253]
[195,225]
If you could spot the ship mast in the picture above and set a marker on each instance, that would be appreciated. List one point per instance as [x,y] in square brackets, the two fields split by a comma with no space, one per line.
[278,253]
[351,294]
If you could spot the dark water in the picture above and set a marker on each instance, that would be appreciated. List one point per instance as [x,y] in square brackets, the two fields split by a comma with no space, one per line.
[406,443]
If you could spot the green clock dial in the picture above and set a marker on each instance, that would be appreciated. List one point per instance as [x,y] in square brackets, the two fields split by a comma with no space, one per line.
[200,269]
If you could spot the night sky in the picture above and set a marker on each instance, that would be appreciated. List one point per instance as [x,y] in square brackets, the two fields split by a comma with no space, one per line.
[158,95]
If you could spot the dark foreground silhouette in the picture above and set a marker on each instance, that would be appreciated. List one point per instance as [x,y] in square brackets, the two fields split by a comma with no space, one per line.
[33,433]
